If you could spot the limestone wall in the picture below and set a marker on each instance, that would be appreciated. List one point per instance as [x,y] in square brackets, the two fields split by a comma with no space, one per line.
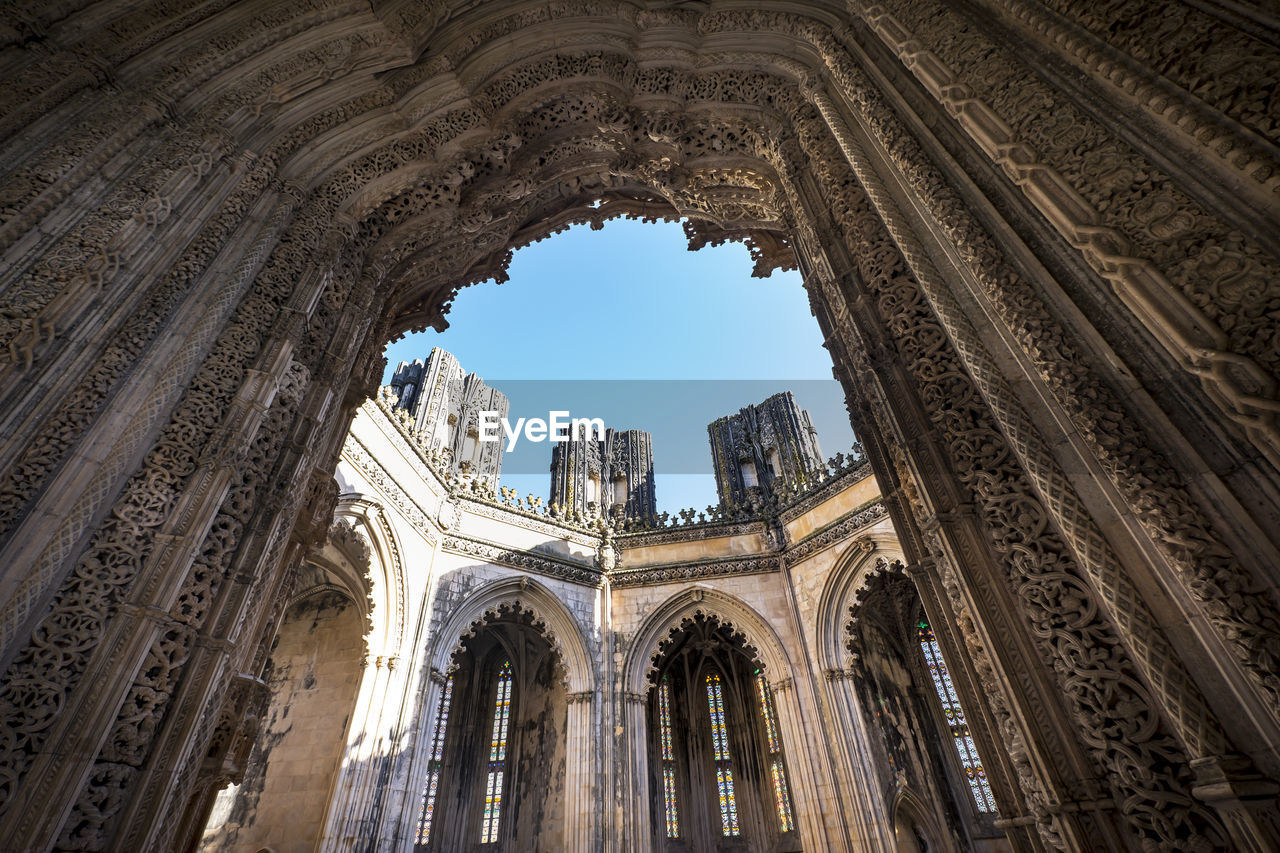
[314,675]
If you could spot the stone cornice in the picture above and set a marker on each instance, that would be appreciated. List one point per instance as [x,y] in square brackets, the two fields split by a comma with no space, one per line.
[382,416]
[838,531]
[710,530]
[516,559]
[829,535]
[808,500]
[763,564]
[497,509]
[360,456]
[507,514]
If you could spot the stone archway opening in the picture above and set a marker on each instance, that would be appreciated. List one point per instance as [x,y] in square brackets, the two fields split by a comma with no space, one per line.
[239,205]
[495,773]
[718,776]
[312,677]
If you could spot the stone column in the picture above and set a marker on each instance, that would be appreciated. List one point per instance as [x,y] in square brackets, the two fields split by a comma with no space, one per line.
[581,803]
[636,822]
[350,804]
[870,822]
[807,802]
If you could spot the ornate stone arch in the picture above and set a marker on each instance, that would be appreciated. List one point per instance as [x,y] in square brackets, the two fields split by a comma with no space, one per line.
[858,561]
[907,811]
[213,100]
[877,576]
[551,616]
[730,609]
[387,589]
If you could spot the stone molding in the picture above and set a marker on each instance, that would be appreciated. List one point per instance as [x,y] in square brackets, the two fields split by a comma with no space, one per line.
[810,499]
[696,570]
[692,532]
[838,531]
[367,463]
[516,559]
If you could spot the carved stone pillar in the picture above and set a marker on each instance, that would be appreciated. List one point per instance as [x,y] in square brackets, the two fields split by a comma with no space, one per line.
[359,796]
[636,818]
[808,802]
[226,758]
[582,799]
[904,379]
[870,824]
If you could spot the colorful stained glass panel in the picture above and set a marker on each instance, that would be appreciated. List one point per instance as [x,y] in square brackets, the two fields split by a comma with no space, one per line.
[720,748]
[668,760]
[778,773]
[497,757]
[954,714]
[429,790]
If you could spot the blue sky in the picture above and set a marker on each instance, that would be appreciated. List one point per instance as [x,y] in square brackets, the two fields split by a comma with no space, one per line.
[631,302]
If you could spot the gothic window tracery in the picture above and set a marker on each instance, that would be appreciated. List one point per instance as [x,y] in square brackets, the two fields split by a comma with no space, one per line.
[954,713]
[670,806]
[718,772]
[434,762]
[911,705]
[497,757]
[723,757]
[777,771]
[492,782]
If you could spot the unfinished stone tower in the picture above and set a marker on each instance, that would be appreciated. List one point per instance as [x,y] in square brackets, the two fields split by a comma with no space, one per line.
[761,448]
[610,475]
[445,406]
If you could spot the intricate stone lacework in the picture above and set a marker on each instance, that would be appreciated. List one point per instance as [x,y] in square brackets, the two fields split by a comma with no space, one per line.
[499,172]
[144,707]
[44,671]
[1196,284]
[1155,492]
[1117,719]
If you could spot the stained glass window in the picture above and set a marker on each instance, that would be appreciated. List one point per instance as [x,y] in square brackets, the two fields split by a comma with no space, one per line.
[777,772]
[956,721]
[668,759]
[720,748]
[497,757]
[433,764]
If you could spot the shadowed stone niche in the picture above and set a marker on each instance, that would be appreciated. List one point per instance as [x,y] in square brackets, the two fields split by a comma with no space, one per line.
[926,761]
[313,675]
[501,781]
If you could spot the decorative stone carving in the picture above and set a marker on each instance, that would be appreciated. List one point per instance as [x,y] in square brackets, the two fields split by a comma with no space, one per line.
[196,199]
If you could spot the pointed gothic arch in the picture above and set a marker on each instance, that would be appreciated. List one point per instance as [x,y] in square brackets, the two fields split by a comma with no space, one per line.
[574,673]
[667,616]
[553,618]
[388,580]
